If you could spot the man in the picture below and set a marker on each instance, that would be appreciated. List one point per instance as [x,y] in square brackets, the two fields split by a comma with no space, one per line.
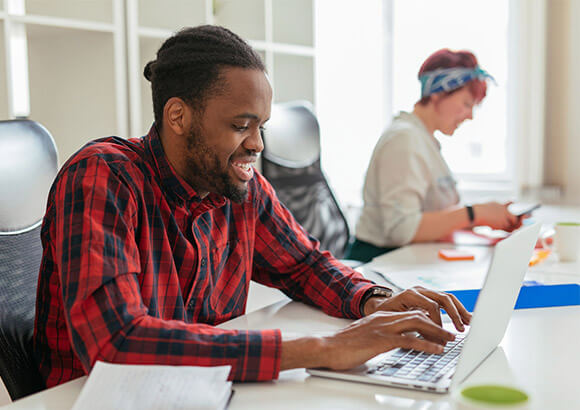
[150,242]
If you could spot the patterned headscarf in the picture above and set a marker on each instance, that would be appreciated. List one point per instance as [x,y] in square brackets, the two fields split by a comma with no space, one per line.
[449,79]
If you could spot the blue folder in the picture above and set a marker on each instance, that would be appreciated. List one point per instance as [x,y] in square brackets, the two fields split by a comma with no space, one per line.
[531,296]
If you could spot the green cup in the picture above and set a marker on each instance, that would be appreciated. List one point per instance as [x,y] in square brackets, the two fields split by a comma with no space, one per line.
[490,396]
[568,223]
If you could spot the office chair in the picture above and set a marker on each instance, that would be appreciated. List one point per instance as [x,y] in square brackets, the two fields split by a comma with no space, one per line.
[291,163]
[28,165]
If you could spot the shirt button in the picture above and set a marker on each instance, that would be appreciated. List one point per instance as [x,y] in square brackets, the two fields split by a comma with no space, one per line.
[190,304]
[202,262]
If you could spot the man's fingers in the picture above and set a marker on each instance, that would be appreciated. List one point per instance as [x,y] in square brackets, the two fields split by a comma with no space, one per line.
[455,310]
[417,322]
[410,342]
[448,304]
[407,322]
[464,313]
[414,298]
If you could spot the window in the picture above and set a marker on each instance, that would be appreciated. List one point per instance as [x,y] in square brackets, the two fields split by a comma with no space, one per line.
[368,56]
[479,148]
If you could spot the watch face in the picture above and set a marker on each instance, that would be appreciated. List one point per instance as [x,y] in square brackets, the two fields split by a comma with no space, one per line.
[382,292]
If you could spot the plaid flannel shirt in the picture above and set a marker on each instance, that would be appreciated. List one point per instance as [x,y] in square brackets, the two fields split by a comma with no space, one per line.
[137,268]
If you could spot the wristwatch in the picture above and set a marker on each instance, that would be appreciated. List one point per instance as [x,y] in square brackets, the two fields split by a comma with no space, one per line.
[470,214]
[376,291]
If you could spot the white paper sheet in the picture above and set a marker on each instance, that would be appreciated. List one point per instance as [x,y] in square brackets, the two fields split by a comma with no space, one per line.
[115,386]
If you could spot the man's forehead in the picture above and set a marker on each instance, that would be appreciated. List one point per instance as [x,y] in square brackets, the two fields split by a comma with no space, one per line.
[237,79]
[244,93]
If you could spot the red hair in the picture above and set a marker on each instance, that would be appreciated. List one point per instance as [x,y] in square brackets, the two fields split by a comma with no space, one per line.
[446,58]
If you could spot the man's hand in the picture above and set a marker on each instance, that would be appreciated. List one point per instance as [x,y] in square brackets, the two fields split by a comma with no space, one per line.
[389,323]
[364,339]
[426,300]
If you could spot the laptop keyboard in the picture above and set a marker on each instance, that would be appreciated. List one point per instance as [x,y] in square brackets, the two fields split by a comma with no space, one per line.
[416,365]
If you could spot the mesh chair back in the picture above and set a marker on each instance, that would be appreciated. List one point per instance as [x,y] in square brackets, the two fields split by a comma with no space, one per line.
[19,263]
[291,163]
[28,164]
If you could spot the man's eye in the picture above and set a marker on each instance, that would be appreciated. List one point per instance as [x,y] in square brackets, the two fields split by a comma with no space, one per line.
[262,129]
[240,128]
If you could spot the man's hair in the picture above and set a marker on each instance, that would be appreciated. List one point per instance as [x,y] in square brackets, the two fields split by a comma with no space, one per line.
[189,64]
[446,58]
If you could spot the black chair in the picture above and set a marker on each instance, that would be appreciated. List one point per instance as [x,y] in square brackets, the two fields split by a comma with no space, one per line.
[28,165]
[291,163]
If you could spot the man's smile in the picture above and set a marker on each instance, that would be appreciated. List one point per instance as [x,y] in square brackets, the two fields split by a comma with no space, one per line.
[243,169]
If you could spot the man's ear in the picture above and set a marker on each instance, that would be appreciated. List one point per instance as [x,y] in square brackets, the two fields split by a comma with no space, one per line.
[176,116]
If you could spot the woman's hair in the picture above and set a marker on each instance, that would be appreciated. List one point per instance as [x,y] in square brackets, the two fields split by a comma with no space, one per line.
[189,64]
[446,58]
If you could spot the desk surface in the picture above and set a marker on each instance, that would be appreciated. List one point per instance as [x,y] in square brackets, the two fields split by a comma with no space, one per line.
[539,353]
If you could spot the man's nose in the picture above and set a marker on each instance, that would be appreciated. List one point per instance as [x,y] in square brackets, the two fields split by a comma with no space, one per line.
[255,142]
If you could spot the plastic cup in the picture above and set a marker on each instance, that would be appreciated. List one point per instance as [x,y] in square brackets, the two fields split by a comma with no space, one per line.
[567,241]
[490,396]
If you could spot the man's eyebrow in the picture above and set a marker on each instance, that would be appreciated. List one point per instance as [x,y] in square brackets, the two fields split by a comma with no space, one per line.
[248,115]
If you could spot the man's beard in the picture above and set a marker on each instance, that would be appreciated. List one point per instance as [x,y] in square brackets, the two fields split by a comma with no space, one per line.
[204,166]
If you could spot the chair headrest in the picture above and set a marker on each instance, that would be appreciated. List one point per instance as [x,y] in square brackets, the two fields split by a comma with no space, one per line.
[28,166]
[292,136]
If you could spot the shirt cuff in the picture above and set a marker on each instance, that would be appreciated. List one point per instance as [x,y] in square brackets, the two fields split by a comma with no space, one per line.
[259,358]
[356,307]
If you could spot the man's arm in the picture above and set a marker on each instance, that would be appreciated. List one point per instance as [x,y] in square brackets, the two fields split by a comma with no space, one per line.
[287,258]
[100,279]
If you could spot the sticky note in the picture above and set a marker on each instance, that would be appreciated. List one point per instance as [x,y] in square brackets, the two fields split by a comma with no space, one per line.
[455,255]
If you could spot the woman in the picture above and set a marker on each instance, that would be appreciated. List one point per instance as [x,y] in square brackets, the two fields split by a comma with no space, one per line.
[409,192]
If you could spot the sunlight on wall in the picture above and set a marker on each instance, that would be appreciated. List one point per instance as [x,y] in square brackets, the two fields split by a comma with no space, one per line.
[422,27]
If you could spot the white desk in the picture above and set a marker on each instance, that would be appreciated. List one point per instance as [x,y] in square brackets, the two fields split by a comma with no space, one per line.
[539,353]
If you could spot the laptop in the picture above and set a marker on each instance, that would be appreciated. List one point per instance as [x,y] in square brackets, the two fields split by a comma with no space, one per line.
[442,372]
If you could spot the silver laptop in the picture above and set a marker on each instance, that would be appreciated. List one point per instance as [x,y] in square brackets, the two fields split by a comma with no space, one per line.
[441,372]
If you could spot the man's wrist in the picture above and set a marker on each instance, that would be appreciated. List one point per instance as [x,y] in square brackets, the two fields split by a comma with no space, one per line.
[373,297]
[302,352]
[372,305]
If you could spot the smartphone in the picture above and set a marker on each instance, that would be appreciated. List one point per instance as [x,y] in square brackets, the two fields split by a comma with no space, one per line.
[523,209]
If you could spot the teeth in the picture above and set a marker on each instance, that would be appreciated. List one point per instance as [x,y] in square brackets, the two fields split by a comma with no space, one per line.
[245,166]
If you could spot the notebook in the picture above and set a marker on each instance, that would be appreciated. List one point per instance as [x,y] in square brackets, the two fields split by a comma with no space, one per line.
[144,387]
[441,373]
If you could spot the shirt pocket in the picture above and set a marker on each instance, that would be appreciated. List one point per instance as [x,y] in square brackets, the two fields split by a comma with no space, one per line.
[228,269]
[442,194]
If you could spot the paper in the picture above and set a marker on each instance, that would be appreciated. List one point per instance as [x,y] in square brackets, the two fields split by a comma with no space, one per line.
[433,279]
[479,237]
[116,386]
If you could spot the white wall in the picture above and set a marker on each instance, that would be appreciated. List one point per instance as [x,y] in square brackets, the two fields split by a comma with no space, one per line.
[562,136]
[572,173]
[73,97]
[351,45]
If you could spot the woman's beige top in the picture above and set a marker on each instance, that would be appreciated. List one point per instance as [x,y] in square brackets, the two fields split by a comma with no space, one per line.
[406,176]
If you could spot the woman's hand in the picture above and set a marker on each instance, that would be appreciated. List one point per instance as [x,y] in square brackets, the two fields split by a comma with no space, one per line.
[496,216]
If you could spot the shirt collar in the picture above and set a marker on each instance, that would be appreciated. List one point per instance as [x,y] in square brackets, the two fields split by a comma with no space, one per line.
[409,116]
[173,185]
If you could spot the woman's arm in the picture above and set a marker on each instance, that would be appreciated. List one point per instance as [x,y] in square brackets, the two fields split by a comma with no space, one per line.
[438,224]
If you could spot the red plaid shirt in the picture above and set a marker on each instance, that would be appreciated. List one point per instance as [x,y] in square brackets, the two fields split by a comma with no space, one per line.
[137,268]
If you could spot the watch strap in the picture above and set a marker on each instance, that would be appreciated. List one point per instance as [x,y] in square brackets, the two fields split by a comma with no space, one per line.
[375,291]
[470,214]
